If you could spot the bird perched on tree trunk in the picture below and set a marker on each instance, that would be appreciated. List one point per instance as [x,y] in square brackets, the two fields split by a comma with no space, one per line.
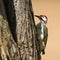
[42,32]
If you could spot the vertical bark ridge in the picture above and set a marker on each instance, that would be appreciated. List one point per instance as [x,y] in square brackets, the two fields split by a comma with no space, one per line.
[25,29]
[7,43]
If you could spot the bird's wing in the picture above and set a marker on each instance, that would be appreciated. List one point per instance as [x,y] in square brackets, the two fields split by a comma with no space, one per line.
[45,35]
[38,29]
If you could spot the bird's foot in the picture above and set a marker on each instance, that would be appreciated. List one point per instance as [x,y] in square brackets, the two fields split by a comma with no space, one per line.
[43,52]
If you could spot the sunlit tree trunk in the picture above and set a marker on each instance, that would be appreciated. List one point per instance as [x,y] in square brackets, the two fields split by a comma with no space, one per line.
[17,31]
[26,38]
[8,47]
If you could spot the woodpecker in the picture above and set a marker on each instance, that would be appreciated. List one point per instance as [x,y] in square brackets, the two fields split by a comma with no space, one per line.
[42,32]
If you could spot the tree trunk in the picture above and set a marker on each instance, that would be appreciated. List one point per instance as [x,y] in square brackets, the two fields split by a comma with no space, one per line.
[8,47]
[26,38]
[17,31]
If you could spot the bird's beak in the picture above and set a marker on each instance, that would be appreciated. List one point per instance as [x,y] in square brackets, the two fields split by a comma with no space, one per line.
[37,16]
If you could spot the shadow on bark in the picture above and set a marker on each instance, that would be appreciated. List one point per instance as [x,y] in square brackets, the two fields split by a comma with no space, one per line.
[11,17]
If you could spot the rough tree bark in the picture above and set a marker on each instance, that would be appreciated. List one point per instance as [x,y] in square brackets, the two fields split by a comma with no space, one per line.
[17,31]
[8,47]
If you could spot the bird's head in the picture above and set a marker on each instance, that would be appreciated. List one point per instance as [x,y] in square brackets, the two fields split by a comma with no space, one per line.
[42,18]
